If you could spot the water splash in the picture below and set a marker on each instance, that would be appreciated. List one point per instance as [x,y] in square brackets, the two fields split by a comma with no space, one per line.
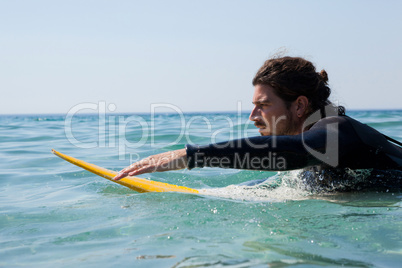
[303,184]
[281,187]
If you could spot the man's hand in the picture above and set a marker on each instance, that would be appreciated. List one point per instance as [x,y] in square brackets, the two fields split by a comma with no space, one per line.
[172,160]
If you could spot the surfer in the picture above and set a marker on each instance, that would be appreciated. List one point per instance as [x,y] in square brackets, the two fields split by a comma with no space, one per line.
[300,129]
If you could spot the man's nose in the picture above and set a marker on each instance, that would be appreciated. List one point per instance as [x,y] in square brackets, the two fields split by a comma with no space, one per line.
[254,115]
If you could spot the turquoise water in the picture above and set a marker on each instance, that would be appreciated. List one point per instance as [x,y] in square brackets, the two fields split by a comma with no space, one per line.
[55,214]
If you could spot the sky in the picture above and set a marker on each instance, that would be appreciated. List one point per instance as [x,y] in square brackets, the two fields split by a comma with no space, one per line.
[196,56]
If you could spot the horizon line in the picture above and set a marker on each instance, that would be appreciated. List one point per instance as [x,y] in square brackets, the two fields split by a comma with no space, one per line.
[187,112]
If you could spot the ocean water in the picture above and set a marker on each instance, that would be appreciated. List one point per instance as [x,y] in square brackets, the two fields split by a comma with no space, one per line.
[53,214]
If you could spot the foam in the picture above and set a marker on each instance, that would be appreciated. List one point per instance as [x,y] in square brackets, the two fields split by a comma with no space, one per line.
[279,188]
[294,185]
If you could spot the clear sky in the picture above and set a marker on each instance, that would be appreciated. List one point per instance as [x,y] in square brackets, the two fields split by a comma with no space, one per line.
[196,55]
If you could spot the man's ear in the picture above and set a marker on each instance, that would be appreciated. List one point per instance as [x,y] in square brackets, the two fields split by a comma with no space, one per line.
[301,106]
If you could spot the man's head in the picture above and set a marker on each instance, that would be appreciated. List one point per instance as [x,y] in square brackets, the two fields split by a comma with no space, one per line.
[287,91]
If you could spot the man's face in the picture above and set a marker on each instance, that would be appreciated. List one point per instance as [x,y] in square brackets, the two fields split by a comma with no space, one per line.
[270,113]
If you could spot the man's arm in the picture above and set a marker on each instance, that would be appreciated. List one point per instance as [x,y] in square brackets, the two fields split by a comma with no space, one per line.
[271,153]
[256,153]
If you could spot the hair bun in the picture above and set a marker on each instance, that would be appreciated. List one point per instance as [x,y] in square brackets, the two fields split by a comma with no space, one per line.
[324,76]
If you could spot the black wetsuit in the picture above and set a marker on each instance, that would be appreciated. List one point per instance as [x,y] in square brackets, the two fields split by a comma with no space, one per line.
[329,152]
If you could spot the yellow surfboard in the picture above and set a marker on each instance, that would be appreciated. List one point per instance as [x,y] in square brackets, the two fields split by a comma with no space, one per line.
[137,184]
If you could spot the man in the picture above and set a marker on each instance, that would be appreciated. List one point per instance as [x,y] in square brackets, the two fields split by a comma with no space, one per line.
[289,95]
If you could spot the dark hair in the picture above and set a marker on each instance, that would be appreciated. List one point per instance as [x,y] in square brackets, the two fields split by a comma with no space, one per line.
[291,77]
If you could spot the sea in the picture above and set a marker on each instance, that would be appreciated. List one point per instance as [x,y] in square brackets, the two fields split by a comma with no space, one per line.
[54,214]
